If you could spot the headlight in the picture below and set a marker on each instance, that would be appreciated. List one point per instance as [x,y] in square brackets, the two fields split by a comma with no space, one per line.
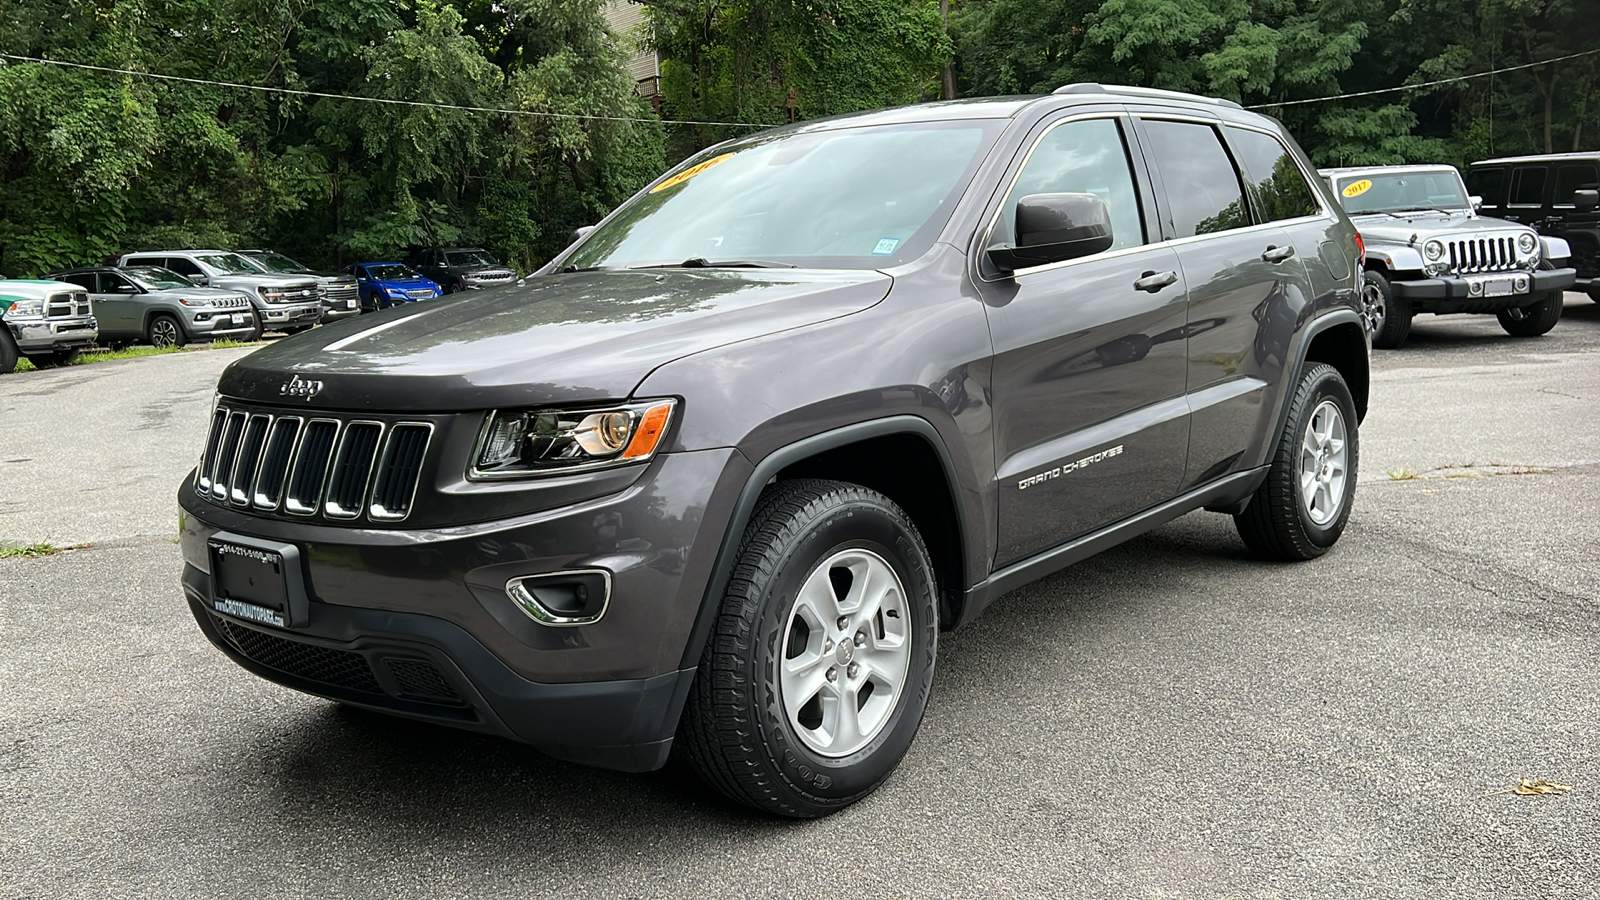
[1433,250]
[26,309]
[1526,242]
[395,292]
[527,443]
[271,295]
[198,304]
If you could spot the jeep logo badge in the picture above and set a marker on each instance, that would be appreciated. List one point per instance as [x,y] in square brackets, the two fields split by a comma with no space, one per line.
[300,387]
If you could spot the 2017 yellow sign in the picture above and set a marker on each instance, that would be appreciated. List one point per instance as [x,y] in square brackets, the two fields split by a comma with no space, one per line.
[690,172]
[1357,188]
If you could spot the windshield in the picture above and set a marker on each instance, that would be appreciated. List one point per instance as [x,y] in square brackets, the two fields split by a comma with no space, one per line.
[850,198]
[231,263]
[391,272]
[156,278]
[1402,191]
[276,262]
[469,258]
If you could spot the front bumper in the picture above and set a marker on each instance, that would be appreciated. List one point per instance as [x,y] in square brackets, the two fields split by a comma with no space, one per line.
[48,335]
[219,326]
[288,314]
[606,693]
[341,311]
[423,667]
[1442,296]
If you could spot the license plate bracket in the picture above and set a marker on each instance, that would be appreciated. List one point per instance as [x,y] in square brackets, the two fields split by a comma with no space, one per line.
[257,580]
[1498,287]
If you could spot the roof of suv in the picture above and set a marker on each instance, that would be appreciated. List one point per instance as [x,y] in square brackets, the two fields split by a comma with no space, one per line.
[1541,157]
[1349,170]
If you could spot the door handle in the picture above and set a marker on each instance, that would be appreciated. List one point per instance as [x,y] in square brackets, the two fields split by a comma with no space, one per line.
[1153,281]
[1277,254]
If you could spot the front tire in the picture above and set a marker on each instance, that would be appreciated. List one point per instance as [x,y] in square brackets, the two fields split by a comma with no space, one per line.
[164,331]
[1387,317]
[1301,509]
[816,675]
[8,352]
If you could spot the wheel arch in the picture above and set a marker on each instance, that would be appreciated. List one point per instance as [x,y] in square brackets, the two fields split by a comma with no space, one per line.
[1339,340]
[920,477]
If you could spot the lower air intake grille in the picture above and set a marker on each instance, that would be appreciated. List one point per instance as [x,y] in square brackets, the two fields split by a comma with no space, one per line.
[419,680]
[340,668]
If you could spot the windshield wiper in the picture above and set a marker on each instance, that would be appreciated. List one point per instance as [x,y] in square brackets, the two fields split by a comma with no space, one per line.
[1436,209]
[566,270]
[700,262]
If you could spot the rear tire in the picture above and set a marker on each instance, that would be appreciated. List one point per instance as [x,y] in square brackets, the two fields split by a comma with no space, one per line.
[1302,507]
[782,715]
[8,352]
[165,331]
[1388,317]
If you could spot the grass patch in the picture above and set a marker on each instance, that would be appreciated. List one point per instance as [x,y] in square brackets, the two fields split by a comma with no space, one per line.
[33,551]
[1402,475]
[102,355]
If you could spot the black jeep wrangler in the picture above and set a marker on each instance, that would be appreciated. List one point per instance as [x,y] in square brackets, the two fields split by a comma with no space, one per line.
[716,478]
[1557,194]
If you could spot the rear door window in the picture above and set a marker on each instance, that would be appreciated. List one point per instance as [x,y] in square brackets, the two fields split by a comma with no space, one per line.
[1277,184]
[85,280]
[1574,177]
[1203,192]
[183,266]
[1527,185]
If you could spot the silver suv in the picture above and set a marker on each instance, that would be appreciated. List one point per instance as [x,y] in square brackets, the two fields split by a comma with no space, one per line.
[1428,251]
[160,307]
[287,303]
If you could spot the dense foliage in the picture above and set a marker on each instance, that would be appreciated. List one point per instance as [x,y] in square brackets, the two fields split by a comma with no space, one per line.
[96,163]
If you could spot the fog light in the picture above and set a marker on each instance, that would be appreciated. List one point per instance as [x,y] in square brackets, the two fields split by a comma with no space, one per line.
[1475,288]
[562,598]
[1522,283]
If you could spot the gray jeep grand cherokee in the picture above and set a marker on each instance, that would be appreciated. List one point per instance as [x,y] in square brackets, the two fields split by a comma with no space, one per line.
[716,478]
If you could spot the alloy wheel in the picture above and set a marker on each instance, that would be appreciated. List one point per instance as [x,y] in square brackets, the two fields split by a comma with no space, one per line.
[1372,307]
[164,333]
[1323,463]
[846,652]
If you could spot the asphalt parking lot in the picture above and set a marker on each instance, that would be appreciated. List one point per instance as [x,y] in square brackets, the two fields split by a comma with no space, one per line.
[1169,719]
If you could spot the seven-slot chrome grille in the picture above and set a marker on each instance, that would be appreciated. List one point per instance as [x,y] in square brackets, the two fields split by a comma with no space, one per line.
[312,464]
[1485,253]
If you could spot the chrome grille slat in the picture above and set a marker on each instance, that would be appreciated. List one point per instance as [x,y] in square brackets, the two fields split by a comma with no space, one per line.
[1482,253]
[275,459]
[399,471]
[279,462]
[249,459]
[352,470]
[227,452]
[310,471]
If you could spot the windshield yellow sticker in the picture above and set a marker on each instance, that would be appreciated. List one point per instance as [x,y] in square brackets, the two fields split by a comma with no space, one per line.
[689,173]
[1357,188]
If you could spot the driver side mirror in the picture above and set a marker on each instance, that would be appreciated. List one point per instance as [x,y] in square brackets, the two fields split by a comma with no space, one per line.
[1476,201]
[1054,228]
[1585,201]
[124,288]
[580,233]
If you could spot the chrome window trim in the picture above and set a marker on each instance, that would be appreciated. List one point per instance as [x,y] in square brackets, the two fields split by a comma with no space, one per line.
[341,448]
[376,512]
[294,452]
[338,434]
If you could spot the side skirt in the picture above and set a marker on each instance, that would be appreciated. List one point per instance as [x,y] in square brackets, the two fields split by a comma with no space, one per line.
[1233,489]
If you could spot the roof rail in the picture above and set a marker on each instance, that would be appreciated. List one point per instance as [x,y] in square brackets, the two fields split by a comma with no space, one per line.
[1089,87]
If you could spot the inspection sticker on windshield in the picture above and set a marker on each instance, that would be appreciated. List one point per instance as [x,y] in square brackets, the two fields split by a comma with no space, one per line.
[690,172]
[1357,188]
[885,247]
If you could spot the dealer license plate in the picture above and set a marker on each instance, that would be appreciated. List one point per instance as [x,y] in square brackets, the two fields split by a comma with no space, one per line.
[350,304]
[1497,287]
[238,318]
[249,583]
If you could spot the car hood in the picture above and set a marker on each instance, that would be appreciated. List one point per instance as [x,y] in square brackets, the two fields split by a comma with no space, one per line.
[481,270]
[403,283]
[577,337]
[1383,228]
[194,293]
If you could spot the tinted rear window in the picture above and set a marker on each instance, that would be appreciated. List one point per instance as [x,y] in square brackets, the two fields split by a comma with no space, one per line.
[1203,192]
[1527,186]
[1280,187]
[1575,177]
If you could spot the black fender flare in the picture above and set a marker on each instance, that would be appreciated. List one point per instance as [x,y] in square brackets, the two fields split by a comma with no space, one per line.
[778,460]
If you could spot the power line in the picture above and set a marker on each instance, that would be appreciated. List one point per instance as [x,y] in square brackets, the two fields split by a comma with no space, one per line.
[1427,84]
[358,98]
